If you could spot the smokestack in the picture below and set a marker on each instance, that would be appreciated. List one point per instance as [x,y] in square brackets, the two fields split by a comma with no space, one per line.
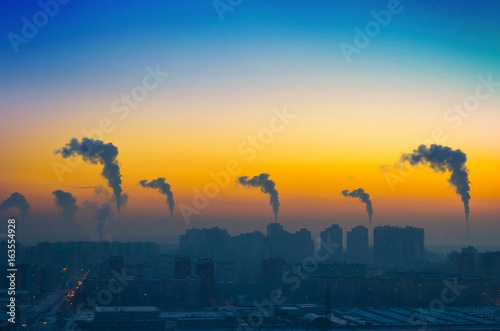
[441,159]
[163,188]
[16,200]
[67,202]
[363,197]
[266,185]
[95,151]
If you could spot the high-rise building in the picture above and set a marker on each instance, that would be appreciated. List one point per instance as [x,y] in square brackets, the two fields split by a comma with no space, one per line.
[331,242]
[293,247]
[26,277]
[465,262]
[205,269]
[219,245]
[489,262]
[395,246]
[301,245]
[49,277]
[357,244]
[274,229]
[182,267]
[277,241]
[272,272]
[248,246]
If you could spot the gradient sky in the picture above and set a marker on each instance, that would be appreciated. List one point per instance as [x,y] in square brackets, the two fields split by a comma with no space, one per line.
[226,77]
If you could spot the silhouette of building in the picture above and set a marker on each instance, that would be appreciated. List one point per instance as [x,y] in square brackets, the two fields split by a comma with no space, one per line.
[49,277]
[332,238]
[219,245]
[357,244]
[302,245]
[205,269]
[182,267]
[26,277]
[489,262]
[395,246]
[272,273]
[278,241]
[465,262]
[292,247]
[250,246]
[142,291]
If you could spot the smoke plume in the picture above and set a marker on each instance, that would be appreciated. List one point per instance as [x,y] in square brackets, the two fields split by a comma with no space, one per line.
[101,213]
[16,200]
[363,197]
[123,200]
[266,185]
[95,151]
[67,202]
[102,193]
[104,212]
[441,159]
[163,188]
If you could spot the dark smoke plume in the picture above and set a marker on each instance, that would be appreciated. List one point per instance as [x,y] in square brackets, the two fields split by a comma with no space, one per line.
[101,192]
[363,197]
[95,151]
[441,159]
[266,185]
[16,200]
[67,202]
[163,188]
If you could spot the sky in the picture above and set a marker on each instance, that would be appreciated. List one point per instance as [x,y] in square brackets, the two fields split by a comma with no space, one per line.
[317,94]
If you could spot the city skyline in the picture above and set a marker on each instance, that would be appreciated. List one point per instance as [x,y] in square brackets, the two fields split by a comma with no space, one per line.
[107,283]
